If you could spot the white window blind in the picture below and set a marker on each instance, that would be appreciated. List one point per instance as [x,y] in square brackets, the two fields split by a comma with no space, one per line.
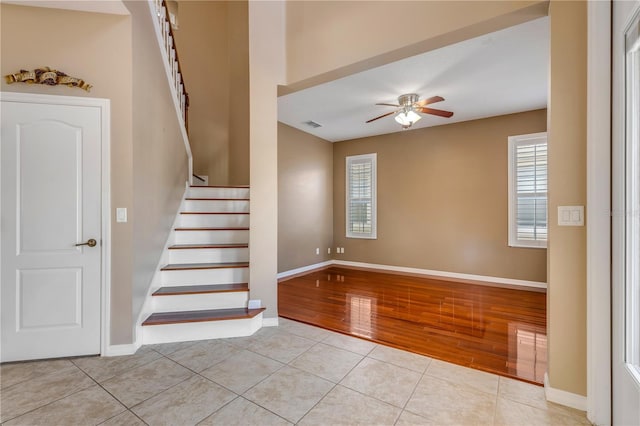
[528,190]
[361,196]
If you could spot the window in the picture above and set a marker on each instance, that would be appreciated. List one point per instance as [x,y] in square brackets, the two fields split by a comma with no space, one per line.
[361,196]
[528,190]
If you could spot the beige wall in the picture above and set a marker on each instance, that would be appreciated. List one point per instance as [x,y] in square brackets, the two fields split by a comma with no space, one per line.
[566,301]
[266,70]
[305,198]
[238,16]
[325,36]
[203,51]
[212,42]
[160,165]
[442,199]
[96,48]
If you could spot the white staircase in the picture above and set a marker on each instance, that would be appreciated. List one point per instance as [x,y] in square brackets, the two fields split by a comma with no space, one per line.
[204,291]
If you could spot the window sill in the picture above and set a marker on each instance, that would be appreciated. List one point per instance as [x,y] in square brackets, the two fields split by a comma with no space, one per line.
[358,237]
[522,245]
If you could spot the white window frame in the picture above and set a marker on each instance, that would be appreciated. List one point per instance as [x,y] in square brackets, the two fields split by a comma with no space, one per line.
[354,159]
[532,138]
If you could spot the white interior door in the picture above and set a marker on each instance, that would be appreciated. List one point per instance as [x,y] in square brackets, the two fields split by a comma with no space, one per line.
[50,202]
[626,213]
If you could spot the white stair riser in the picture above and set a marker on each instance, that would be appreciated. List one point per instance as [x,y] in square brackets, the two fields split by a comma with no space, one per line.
[220,255]
[205,276]
[194,302]
[214,220]
[211,237]
[216,206]
[153,334]
[218,193]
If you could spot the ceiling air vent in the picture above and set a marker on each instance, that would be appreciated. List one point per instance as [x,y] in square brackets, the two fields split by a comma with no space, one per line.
[312,124]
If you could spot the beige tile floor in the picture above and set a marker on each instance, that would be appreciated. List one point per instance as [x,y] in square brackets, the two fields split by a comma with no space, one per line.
[290,374]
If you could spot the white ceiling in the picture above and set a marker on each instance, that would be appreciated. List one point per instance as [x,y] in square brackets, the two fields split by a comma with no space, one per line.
[495,74]
[115,7]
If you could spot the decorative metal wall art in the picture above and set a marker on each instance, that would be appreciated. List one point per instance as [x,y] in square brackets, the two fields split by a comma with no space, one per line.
[46,75]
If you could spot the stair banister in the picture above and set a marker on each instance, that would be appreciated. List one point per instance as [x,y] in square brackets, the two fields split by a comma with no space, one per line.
[166,42]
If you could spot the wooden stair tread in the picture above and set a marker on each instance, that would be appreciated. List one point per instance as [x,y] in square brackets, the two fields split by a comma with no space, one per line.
[201,289]
[161,318]
[187,266]
[214,212]
[214,229]
[216,199]
[207,246]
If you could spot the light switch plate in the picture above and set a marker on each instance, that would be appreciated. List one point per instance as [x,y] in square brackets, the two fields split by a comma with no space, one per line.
[121,214]
[571,215]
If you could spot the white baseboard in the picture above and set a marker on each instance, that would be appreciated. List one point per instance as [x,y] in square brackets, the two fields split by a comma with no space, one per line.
[270,322]
[479,279]
[119,350]
[561,397]
[444,274]
[303,269]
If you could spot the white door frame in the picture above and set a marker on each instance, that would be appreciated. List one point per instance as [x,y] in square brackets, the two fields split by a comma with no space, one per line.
[599,212]
[105,173]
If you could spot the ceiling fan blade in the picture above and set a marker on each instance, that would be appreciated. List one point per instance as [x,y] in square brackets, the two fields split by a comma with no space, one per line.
[431,100]
[393,105]
[382,116]
[437,112]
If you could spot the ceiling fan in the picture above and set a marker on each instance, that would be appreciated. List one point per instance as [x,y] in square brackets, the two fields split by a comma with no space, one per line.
[408,108]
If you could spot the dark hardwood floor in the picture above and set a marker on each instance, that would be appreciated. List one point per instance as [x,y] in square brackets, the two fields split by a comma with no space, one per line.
[493,329]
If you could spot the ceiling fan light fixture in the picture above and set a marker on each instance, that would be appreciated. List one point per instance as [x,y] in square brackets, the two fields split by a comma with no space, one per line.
[407,118]
[409,108]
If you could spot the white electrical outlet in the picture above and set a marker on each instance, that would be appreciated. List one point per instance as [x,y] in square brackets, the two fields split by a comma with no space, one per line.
[329,250]
[317,250]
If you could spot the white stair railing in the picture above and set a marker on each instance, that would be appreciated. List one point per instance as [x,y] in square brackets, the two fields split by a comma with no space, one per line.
[166,33]
[162,25]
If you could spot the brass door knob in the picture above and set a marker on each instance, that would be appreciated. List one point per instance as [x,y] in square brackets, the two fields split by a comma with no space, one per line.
[91,243]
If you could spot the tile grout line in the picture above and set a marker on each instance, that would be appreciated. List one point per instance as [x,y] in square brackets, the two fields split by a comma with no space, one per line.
[317,403]
[196,373]
[53,401]
[249,401]
[209,380]
[232,391]
[140,366]
[112,395]
[404,407]
[119,373]
[423,374]
[495,410]
[334,384]
[375,345]
[288,364]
